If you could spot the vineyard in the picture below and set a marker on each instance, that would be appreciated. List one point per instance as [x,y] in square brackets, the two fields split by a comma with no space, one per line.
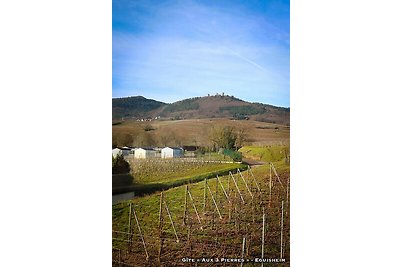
[156,170]
[243,215]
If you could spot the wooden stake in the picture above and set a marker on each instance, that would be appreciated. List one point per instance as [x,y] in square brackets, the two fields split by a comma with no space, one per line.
[239,217]
[253,209]
[160,215]
[235,210]
[189,244]
[254,178]
[277,176]
[263,238]
[205,196]
[141,236]
[243,245]
[185,208]
[282,231]
[229,188]
[194,206]
[248,239]
[270,185]
[160,249]
[233,178]
[223,190]
[130,227]
[216,189]
[230,210]
[248,189]
[172,222]
[160,224]
[215,203]
[287,196]
[188,234]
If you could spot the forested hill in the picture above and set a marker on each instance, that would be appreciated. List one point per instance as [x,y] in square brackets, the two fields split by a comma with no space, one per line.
[217,106]
[134,106]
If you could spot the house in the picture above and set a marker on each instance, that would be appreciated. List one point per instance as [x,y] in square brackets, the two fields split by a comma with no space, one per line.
[171,152]
[144,153]
[126,150]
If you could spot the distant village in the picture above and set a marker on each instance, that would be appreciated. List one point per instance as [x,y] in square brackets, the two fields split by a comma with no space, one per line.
[155,152]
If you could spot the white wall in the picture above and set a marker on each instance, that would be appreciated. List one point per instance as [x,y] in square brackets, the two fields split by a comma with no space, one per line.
[116,151]
[143,154]
[171,153]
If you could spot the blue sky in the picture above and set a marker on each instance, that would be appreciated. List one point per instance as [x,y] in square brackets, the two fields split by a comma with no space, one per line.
[171,50]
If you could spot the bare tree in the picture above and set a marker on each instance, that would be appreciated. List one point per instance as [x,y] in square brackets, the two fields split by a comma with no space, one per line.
[166,138]
[241,137]
[223,137]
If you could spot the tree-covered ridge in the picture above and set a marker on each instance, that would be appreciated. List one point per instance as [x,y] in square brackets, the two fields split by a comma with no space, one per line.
[134,106]
[211,106]
[187,104]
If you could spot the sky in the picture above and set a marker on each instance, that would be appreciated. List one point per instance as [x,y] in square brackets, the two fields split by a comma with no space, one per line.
[177,49]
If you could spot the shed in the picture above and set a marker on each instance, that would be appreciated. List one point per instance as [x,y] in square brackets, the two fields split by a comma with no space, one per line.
[144,153]
[171,152]
[126,151]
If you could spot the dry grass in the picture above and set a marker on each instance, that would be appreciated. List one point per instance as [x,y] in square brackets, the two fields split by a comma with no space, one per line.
[195,132]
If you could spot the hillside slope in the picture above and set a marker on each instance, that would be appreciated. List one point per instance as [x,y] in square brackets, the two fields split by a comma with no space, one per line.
[134,106]
[217,106]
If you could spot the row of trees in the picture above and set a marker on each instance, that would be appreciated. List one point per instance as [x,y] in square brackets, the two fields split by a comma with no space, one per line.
[213,139]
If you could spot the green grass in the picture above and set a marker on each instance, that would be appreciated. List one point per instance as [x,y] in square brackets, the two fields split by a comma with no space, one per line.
[163,173]
[147,207]
[266,153]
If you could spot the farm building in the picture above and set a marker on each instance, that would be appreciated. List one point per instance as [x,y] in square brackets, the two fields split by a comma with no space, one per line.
[116,152]
[171,152]
[144,153]
[126,150]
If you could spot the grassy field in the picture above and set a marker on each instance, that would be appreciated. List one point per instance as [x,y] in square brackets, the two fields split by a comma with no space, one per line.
[195,132]
[212,236]
[266,153]
[167,170]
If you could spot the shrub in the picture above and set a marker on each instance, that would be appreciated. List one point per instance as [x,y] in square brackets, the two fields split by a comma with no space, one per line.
[200,151]
[234,155]
[120,165]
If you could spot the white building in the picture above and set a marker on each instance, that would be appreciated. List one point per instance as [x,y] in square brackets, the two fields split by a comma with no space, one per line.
[144,153]
[126,151]
[171,152]
[116,152]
